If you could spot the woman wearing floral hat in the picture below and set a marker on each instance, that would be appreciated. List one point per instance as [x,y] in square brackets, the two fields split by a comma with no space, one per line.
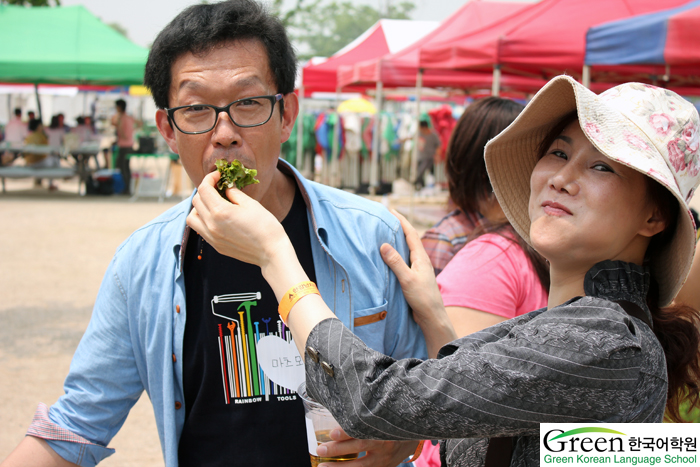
[599,185]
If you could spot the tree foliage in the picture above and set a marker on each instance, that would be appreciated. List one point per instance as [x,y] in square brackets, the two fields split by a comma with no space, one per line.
[31,2]
[321,28]
[119,28]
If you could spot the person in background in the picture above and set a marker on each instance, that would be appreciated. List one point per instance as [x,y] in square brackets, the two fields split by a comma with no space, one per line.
[30,116]
[37,136]
[124,127]
[468,184]
[55,132]
[428,147]
[16,130]
[62,123]
[83,129]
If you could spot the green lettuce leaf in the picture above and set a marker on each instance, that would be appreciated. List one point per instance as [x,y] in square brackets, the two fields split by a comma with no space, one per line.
[234,174]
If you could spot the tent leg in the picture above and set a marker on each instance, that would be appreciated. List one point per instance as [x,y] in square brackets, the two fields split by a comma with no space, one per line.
[300,129]
[335,147]
[414,150]
[496,84]
[38,102]
[586,76]
[374,161]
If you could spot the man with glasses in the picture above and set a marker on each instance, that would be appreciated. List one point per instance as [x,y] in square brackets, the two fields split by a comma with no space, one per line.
[184,323]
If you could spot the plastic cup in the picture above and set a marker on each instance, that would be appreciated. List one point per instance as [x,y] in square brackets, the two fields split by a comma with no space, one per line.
[319,424]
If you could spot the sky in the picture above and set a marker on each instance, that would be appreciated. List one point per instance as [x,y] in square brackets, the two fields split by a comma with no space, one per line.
[143,19]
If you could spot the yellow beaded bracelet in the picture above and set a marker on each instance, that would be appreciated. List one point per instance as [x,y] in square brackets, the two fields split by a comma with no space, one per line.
[292,296]
[417,452]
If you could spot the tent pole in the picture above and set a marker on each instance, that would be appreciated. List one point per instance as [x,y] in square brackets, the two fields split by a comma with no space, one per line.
[300,129]
[376,136]
[414,150]
[335,147]
[586,76]
[496,84]
[38,102]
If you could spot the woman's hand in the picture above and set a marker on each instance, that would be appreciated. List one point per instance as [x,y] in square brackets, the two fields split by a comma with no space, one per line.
[379,453]
[420,288]
[241,229]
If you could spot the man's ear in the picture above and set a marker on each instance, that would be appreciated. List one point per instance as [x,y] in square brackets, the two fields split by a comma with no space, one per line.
[291,112]
[654,224]
[166,130]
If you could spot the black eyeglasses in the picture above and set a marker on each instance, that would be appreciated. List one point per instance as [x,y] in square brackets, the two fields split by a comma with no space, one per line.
[245,113]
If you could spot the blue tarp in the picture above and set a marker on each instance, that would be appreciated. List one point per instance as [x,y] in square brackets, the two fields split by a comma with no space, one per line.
[637,40]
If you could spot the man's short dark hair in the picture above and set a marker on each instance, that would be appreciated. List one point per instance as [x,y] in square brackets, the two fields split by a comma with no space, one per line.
[121,104]
[18,112]
[34,124]
[200,28]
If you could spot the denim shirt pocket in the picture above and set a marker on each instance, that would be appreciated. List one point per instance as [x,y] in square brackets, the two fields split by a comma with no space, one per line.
[369,325]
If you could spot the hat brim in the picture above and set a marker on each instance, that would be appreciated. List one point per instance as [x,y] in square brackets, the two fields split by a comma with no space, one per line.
[512,155]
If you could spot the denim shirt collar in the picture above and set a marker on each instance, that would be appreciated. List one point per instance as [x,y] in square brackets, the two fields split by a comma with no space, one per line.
[619,281]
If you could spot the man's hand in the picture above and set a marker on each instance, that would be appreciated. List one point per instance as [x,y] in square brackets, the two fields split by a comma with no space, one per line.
[379,453]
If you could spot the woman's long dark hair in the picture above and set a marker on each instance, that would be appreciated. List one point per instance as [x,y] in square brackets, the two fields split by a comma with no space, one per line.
[467,179]
[677,327]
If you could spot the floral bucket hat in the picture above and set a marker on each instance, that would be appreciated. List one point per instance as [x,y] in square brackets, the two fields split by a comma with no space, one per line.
[650,129]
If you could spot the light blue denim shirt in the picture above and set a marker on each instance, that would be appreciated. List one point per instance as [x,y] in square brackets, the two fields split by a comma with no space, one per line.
[134,341]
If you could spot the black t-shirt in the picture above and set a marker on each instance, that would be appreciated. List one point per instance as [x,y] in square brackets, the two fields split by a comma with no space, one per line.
[234,415]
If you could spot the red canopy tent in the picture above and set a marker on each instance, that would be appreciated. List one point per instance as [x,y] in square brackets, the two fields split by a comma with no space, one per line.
[384,37]
[542,41]
[400,69]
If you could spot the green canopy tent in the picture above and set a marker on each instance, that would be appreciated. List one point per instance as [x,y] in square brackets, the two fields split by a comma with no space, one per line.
[65,45]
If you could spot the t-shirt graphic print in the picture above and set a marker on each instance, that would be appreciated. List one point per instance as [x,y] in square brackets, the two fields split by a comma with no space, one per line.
[249,347]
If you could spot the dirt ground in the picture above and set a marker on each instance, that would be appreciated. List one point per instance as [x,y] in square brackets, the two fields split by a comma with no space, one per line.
[54,249]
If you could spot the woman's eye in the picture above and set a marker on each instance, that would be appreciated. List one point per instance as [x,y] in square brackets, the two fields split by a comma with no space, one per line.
[602,167]
[560,154]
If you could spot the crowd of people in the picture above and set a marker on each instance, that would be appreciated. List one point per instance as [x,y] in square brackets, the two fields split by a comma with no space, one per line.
[566,286]
[59,135]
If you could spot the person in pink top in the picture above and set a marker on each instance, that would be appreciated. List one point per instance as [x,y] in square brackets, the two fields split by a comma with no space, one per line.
[16,130]
[124,125]
[466,176]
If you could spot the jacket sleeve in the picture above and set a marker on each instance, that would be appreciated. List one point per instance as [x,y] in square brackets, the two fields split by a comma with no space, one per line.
[102,385]
[486,385]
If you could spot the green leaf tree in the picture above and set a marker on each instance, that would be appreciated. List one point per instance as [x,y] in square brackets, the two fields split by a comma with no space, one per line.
[31,2]
[321,28]
[119,28]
